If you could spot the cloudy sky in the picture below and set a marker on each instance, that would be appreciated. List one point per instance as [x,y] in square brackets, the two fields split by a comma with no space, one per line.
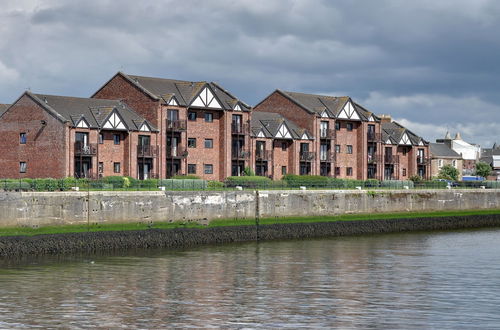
[433,65]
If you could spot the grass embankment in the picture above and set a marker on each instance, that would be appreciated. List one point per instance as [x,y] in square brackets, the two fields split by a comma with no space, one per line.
[28,231]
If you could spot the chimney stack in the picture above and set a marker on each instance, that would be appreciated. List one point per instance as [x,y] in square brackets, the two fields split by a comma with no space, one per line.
[385,118]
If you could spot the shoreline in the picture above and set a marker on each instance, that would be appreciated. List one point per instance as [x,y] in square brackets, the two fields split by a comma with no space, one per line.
[101,241]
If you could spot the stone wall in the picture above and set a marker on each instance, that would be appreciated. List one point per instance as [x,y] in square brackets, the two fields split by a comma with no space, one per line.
[37,208]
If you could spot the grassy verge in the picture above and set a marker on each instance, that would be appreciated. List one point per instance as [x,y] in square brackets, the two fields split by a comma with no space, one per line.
[28,231]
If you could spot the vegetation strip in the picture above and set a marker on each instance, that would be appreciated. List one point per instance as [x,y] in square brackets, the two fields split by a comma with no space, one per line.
[91,242]
[28,231]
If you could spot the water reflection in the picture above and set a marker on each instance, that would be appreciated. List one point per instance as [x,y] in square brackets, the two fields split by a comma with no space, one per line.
[431,280]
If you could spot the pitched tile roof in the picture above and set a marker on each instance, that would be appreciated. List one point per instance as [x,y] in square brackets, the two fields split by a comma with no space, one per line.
[319,103]
[269,123]
[94,111]
[184,91]
[394,132]
[441,150]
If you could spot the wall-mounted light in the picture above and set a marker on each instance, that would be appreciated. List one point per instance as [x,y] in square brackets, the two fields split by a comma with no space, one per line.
[43,122]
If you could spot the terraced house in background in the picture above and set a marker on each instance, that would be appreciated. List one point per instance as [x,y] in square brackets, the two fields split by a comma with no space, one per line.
[203,129]
[148,127]
[60,136]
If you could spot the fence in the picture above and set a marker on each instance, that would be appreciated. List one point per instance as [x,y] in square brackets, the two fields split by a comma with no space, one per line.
[127,184]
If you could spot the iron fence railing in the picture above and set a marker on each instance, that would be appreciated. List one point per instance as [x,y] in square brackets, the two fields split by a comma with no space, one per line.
[130,184]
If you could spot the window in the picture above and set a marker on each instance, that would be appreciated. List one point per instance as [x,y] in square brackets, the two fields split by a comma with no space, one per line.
[323,129]
[116,167]
[22,138]
[337,148]
[209,143]
[349,149]
[348,171]
[101,138]
[208,168]
[101,167]
[349,126]
[404,171]
[440,163]
[337,126]
[337,170]
[404,151]
[191,168]
[454,163]
[284,146]
[283,170]
[192,115]
[191,142]
[116,138]
[22,167]
[209,117]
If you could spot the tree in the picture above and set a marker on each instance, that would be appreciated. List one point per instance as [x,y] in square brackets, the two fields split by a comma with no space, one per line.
[448,172]
[483,169]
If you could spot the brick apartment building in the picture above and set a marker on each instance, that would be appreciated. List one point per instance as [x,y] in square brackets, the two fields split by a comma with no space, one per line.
[148,127]
[348,140]
[203,129]
[59,136]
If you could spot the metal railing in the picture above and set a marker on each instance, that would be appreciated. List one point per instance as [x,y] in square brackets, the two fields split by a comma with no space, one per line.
[326,133]
[307,156]
[423,160]
[328,156]
[374,137]
[176,125]
[239,128]
[85,149]
[240,154]
[391,159]
[147,151]
[176,153]
[262,155]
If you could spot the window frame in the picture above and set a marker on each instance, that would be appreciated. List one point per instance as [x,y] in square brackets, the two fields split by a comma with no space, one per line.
[190,167]
[191,142]
[117,165]
[23,167]
[208,117]
[348,171]
[23,138]
[211,143]
[192,113]
[100,138]
[208,168]
[349,149]
[349,127]
[115,142]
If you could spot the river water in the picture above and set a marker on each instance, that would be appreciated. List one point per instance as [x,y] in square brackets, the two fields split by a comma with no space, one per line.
[433,280]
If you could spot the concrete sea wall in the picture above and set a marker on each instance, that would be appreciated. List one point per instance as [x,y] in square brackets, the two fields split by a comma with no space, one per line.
[54,208]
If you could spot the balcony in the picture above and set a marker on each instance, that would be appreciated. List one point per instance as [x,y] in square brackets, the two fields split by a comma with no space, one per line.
[85,149]
[374,159]
[327,134]
[263,155]
[147,151]
[239,128]
[374,137]
[307,156]
[176,153]
[328,156]
[176,125]
[240,155]
[423,160]
[391,159]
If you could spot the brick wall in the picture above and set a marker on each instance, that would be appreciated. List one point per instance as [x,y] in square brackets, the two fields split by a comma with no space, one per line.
[45,151]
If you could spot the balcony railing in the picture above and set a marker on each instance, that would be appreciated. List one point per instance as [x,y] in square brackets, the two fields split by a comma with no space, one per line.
[176,125]
[327,133]
[147,151]
[374,137]
[240,154]
[85,149]
[262,155]
[374,159]
[423,160]
[391,159]
[176,153]
[239,128]
[328,156]
[307,156]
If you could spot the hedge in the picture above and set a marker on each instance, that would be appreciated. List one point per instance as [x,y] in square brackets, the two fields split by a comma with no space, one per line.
[248,181]
[176,184]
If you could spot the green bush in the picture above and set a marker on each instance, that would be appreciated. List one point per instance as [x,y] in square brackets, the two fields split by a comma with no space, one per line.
[397,184]
[313,181]
[372,183]
[186,177]
[175,184]
[115,181]
[216,185]
[352,183]
[248,181]
[14,185]
[47,184]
